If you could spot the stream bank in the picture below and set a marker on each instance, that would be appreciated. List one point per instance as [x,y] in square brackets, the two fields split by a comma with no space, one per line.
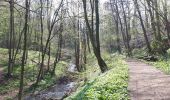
[63,88]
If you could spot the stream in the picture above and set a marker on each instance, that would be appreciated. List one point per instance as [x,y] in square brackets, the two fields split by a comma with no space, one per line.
[58,91]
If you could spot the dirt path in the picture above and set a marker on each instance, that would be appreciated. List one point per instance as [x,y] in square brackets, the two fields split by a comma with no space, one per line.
[147,82]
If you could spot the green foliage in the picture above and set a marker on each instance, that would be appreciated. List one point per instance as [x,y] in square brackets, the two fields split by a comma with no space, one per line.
[31,71]
[9,85]
[111,85]
[158,47]
[92,68]
[46,82]
[139,52]
[163,63]
[156,44]
[4,20]
[61,69]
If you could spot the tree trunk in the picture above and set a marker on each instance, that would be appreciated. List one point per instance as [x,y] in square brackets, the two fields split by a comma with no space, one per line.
[116,19]
[49,56]
[167,23]
[10,44]
[24,52]
[159,37]
[152,18]
[58,53]
[95,43]
[143,27]
[121,25]
[126,29]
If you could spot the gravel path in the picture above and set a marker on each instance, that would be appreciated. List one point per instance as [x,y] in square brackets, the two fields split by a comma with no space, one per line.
[147,82]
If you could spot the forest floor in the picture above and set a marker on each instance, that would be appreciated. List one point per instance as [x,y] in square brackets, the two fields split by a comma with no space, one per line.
[147,82]
[1,74]
[9,87]
[3,81]
[63,88]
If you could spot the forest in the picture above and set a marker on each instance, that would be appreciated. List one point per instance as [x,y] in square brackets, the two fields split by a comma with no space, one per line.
[84,50]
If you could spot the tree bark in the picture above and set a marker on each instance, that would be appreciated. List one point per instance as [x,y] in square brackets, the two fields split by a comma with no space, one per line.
[143,27]
[127,36]
[95,43]
[24,52]
[10,44]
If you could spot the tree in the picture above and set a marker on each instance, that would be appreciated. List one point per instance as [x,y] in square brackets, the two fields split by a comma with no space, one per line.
[150,10]
[94,38]
[142,24]
[166,21]
[159,37]
[127,35]
[24,52]
[116,19]
[11,35]
[49,37]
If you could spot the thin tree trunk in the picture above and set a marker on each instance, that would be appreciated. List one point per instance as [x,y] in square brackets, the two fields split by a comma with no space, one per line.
[143,27]
[152,18]
[24,52]
[10,44]
[95,44]
[159,37]
[116,19]
[42,48]
[127,31]
[49,56]
[47,42]
[167,23]
[58,53]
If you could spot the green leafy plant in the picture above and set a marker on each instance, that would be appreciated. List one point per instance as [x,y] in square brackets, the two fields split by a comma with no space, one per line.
[111,85]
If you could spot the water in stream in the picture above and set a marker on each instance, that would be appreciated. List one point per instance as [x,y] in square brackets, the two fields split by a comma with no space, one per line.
[58,91]
[72,67]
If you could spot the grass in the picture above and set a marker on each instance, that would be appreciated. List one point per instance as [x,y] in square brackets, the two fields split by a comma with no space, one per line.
[111,85]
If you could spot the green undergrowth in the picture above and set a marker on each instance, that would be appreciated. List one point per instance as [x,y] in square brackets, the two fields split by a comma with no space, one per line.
[111,85]
[162,64]
[31,71]
[138,53]
[48,81]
